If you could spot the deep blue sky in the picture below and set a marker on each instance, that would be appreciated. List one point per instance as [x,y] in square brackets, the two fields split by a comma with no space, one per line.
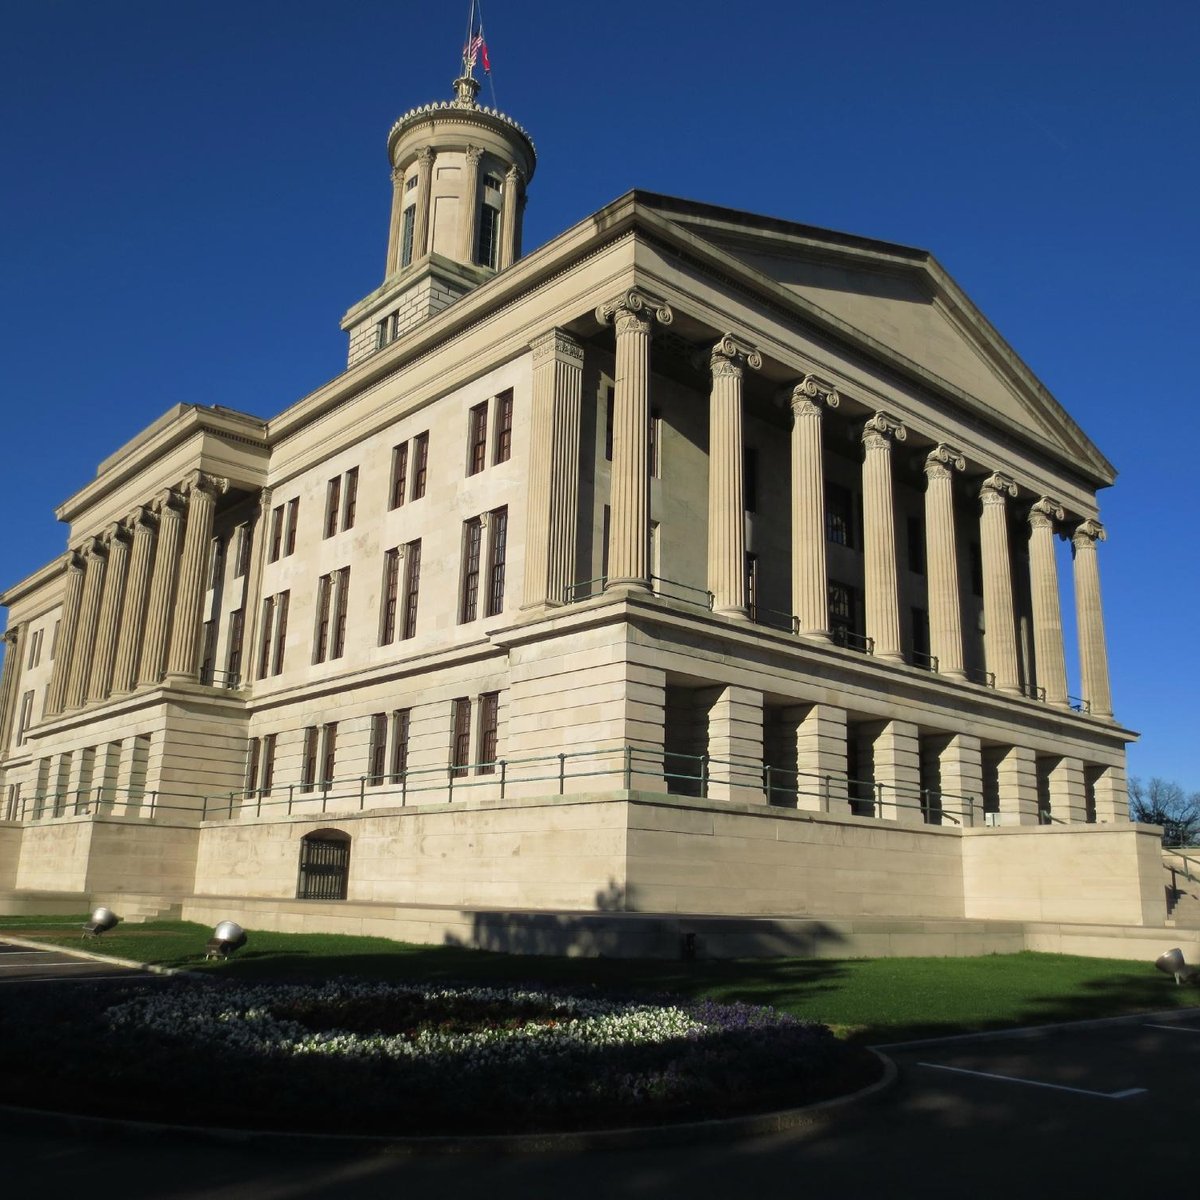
[192,194]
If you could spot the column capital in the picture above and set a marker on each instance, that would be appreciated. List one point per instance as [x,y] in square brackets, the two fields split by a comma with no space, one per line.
[473,155]
[729,353]
[997,487]
[200,481]
[10,637]
[73,561]
[629,307]
[168,498]
[557,345]
[397,178]
[142,517]
[94,547]
[942,460]
[809,395]
[1088,533]
[1045,512]
[879,431]
[514,176]
[425,156]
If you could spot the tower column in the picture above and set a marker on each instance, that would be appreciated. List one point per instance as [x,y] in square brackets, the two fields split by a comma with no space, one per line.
[162,587]
[133,615]
[9,683]
[185,630]
[629,522]
[470,199]
[726,490]
[89,615]
[425,159]
[945,600]
[394,225]
[553,472]
[513,186]
[73,595]
[810,584]
[1047,605]
[880,577]
[1093,657]
[1000,632]
[100,679]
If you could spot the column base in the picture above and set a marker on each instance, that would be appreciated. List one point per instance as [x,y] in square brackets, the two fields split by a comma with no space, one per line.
[628,585]
[736,614]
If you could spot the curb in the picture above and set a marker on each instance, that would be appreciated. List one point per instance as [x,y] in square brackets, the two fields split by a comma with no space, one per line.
[71,952]
[812,1117]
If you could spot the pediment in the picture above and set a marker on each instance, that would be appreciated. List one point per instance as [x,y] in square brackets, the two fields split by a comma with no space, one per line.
[902,299]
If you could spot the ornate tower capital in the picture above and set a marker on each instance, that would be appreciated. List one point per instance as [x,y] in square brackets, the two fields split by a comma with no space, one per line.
[634,308]
[1045,513]
[1088,533]
[942,461]
[997,488]
[731,355]
[881,429]
[809,396]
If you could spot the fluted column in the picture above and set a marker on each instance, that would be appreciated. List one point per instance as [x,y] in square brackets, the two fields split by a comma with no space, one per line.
[1047,605]
[72,597]
[513,183]
[197,539]
[629,519]
[137,590]
[726,487]
[9,683]
[395,224]
[100,679]
[162,587]
[553,471]
[424,188]
[89,618]
[470,200]
[810,584]
[1093,656]
[1000,631]
[941,561]
[880,578]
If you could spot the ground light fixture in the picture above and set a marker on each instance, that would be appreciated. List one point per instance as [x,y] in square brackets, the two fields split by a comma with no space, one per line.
[227,937]
[1173,964]
[101,921]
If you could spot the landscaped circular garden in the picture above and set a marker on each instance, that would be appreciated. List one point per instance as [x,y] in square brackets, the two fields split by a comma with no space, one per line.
[347,1056]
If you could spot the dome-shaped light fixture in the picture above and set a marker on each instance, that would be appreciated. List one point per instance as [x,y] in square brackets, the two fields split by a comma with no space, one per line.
[227,937]
[1173,964]
[101,921]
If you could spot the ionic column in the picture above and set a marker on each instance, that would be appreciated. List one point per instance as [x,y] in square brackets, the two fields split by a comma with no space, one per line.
[553,472]
[100,679]
[9,683]
[394,225]
[197,538]
[89,617]
[425,159]
[726,492]
[162,587]
[137,590]
[880,578]
[941,566]
[1048,653]
[1093,657]
[513,183]
[470,199]
[72,598]
[629,519]
[810,584]
[1000,632]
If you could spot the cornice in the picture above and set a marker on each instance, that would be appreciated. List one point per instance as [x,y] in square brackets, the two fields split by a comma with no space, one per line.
[16,592]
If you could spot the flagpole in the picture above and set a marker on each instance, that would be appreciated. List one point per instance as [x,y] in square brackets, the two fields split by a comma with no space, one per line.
[467,41]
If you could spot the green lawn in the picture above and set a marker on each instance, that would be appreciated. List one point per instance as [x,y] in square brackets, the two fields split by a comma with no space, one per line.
[871,999]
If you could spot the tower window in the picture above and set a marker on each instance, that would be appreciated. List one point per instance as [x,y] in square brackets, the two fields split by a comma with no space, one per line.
[410,183]
[406,235]
[489,236]
[493,182]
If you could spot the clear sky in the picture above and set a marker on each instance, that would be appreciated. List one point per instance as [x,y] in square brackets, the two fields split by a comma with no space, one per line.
[191,195]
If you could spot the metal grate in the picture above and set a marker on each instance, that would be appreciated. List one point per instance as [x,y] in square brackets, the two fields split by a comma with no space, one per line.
[324,868]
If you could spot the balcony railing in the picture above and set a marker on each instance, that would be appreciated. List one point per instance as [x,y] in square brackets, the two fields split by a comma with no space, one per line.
[847,638]
[980,676]
[1033,692]
[1079,705]
[927,662]
[772,618]
[211,677]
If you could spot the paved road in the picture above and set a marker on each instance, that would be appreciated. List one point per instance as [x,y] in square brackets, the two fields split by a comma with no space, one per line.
[1079,1112]
[20,965]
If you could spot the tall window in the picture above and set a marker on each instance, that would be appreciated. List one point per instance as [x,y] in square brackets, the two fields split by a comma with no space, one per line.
[460,745]
[321,634]
[399,474]
[54,640]
[609,413]
[489,723]
[350,508]
[477,439]
[412,586]
[504,419]
[976,564]
[752,585]
[252,760]
[420,464]
[264,657]
[391,589]
[218,562]
[282,603]
[293,517]
[497,556]
[328,755]
[915,528]
[276,532]
[208,652]
[839,516]
[308,764]
[377,752]
[233,660]
[654,446]
[400,726]
[35,648]
[25,718]
[341,608]
[268,763]
[408,224]
[242,554]
[468,604]
[843,616]
[920,631]
[489,236]
[750,478]
[333,499]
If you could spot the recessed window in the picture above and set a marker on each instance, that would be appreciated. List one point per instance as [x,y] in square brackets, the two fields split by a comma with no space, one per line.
[333,500]
[399,475]
[472,541]
[340,610]
[497,558]
[750,478]
[377,749]
[460,741]
[609,414]
[391,596]
[489,724]
[839,516]
[233,659]
[408,225]
[412,586]
[655,444]
[752,585]
[276,533]
[328,755]
[293,518]
[420,464]
[268,763]
[350,504]
[843,608]
[282,604]
[400,726]
[308,763]
[324,865]
[321,636]
[504,420]
[489,236]
[477,438]
[915,528]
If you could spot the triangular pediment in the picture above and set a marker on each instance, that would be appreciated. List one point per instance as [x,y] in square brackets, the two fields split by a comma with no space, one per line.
[900,300]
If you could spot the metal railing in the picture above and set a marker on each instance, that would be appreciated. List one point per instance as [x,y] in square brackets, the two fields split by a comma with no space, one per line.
[773,618]
[978,675]
[701,597]
[1079,705]
[927,662]
[211,677]
[849,640]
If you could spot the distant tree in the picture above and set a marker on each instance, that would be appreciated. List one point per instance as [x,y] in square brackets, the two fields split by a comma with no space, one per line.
[1163,802]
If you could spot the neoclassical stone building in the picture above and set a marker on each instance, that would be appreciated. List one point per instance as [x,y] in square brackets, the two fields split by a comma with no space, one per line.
[697,563]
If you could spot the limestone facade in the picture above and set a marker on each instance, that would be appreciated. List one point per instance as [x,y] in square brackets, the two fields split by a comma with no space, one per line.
[686,503]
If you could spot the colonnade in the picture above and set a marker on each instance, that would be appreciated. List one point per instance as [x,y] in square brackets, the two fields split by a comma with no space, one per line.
[133,599]
[632,315]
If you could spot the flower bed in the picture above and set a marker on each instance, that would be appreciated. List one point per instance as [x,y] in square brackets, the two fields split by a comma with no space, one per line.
[359,1057]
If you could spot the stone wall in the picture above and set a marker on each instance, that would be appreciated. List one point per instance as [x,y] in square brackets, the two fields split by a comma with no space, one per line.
[10,854]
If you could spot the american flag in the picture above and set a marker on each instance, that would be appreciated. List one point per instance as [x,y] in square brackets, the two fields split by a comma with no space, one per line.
[476,47]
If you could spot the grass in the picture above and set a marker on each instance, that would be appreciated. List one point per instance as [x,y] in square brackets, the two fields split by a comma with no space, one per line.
[868,1000]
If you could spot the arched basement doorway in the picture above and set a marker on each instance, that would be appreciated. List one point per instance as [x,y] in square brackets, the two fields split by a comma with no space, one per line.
[324,865]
